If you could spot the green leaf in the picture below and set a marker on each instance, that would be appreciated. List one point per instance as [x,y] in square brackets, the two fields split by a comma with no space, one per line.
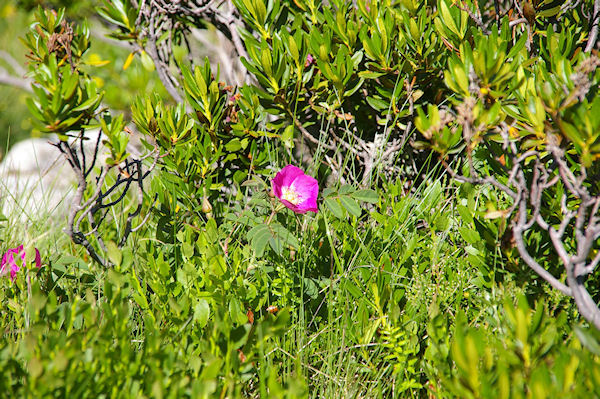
[346,189]
[447,18]
[276,244]
[335,207]
[293,48]
[283,234]
[87,104]
[460,76]
[351,205]
[465,214]
[236,311]
[411,244]
[370,74]
[587,339]
[259,238]
[469,235]
[114,253]
[201,312]
[377,103]
[367,195]
[147,61]
[353,289]
[138,294]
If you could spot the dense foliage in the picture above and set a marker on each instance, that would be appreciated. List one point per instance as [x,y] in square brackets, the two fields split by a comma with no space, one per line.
[454,145]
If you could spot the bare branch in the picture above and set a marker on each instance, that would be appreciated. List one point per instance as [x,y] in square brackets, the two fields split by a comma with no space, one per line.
[77,236]
[10,80]
[14,64]
[591,266]
[516,22]
[476,18]
[480,180]
[594,28]
[518,230]
[162,68]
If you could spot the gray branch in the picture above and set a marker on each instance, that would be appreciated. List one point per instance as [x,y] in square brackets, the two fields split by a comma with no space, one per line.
[582,223]
[594,27]
[14,81]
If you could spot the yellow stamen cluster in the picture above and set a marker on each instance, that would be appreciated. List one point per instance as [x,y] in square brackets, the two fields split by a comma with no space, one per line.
[290,195]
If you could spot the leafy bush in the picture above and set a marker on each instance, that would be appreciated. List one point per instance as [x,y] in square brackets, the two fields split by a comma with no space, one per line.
[525,356]
[529,127]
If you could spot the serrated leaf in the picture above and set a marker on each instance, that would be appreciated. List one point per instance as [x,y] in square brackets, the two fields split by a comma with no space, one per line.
[346,189]
[280,232]
[367,195]
[255,230]
[335,207]
[350,205]
[328,191]
[276,244]
[259,239]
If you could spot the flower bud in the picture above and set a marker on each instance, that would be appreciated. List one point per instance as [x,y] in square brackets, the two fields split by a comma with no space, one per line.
[529,12]
[206,206]
[153,126]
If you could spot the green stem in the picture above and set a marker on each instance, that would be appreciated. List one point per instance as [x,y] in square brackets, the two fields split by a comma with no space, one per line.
[330,239]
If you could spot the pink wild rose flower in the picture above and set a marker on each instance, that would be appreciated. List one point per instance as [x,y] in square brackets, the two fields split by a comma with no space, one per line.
[309,61]
[11,262]
[296,190]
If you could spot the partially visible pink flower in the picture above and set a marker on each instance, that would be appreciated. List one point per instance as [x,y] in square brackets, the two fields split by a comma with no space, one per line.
[11,263]
[38,259]
[309,61]
[296,190]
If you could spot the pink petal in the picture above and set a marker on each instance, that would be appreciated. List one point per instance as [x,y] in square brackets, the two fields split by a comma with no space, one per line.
[38,259]
[309,60]
[290,205]
[9,262]
[285,178]
[3,264]
[18,250]
[276,188]
[307,188]
[14,268]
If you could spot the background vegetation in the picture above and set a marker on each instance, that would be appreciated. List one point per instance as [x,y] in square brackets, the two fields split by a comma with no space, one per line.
[181,276]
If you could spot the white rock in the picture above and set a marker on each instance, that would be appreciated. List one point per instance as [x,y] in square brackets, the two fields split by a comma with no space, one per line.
[35,181]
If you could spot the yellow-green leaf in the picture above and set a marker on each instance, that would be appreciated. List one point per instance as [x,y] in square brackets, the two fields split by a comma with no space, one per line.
[128,60]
